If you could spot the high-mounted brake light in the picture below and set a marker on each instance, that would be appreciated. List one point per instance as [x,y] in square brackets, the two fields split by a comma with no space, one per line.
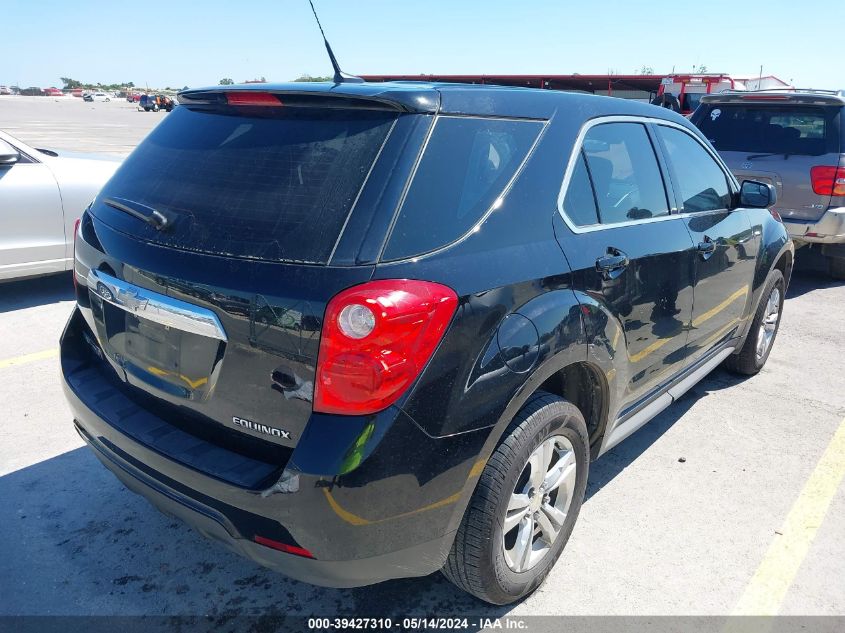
[765,97]
[249,98]
[377,337]
[828,181]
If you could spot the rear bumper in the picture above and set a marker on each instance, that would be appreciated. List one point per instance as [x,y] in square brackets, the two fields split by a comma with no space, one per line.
[829,229]
[421,559]
[392,514]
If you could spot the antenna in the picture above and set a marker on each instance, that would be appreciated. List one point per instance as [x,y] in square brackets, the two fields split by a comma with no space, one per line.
[339,76]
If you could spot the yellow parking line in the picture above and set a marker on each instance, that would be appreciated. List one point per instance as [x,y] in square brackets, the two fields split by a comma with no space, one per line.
[716,310]
[29,358]
[771,581]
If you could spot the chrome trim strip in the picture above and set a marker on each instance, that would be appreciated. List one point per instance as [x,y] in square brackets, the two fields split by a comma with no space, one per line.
[573,158]
[156,307]
[623,429]
[695,377]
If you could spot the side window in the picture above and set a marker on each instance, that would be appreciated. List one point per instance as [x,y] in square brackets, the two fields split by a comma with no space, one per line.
[702,184]
[625,173]
[466,166]
[579,202]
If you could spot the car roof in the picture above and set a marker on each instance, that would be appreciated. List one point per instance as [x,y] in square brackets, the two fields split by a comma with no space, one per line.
[790,95]
[457,99]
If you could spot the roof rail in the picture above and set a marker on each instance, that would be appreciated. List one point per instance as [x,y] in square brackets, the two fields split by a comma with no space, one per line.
[836,93]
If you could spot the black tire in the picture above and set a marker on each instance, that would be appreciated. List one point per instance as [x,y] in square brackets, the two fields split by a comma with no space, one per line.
[476,562]
[746,362]
[836,267]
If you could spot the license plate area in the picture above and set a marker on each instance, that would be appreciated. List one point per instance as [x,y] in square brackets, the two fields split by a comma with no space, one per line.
[162,344]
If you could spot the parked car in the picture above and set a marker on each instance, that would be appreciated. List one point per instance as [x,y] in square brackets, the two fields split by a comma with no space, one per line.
[154,103]
[368,331]
[96,96]
[794,141]
[683,93]
[42,195]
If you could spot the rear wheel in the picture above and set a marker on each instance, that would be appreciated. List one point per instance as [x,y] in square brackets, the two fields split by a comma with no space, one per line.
[764,328]
[525,505]
[836,266]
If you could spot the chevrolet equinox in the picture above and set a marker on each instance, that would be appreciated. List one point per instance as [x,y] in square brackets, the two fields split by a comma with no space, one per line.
[358,332]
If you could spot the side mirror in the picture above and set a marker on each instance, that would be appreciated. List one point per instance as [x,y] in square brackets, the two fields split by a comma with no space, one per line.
[8,154]
[757,195]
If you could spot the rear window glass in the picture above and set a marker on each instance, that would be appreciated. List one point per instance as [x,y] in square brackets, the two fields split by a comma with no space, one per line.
[466,166]
[767,129]
[276,186]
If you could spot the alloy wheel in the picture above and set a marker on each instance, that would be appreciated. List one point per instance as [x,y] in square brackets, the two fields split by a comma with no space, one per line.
[769,324]
[538,506]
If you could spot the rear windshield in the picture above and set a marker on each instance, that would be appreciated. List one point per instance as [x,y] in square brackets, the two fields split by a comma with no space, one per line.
[795,129]
[274,185]
[466,166]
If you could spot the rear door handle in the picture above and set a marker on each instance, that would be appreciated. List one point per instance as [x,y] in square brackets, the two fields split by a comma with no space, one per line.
[706,248]
[612,264]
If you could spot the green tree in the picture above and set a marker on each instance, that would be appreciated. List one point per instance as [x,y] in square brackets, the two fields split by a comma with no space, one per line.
[71,83]
[646,70]
[226,82]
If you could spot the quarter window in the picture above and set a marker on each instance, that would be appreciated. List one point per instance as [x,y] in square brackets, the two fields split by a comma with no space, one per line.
[579,202]
[701,183]
[624,172]
[466,166]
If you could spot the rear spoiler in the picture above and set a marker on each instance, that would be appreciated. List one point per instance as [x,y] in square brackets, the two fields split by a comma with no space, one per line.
[776,96]
[416,99]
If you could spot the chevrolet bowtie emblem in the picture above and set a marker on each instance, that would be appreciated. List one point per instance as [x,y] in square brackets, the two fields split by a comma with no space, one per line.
[129,299]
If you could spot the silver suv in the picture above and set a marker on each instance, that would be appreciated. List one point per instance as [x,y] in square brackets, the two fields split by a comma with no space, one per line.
[795,141]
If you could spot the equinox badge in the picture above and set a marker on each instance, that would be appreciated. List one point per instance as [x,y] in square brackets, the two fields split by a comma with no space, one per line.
[261,428]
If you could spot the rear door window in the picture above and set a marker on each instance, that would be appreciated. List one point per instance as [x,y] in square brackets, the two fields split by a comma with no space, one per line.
[702,184]
[625,174]
[771,129]
[467,164]
[277,184]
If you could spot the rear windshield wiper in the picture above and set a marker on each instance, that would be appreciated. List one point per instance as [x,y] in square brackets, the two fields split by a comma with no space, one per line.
[155,218]
[785,155]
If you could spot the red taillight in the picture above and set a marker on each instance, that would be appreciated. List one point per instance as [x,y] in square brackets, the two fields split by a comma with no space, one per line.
[776,215]
[249,98]
[75,233]
[828,181]
[376,339]
[283,547]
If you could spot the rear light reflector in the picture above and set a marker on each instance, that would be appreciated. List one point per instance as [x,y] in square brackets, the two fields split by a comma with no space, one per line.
[377,337]
[249,98]
[828,181]
[283,547]
[776,215]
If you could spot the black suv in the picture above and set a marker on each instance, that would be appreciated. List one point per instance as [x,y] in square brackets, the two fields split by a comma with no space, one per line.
[367,331]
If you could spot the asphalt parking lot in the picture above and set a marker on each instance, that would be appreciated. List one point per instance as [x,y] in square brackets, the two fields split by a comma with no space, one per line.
[730,501]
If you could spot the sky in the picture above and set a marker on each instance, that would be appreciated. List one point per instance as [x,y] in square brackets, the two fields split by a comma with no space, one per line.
[180,43]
